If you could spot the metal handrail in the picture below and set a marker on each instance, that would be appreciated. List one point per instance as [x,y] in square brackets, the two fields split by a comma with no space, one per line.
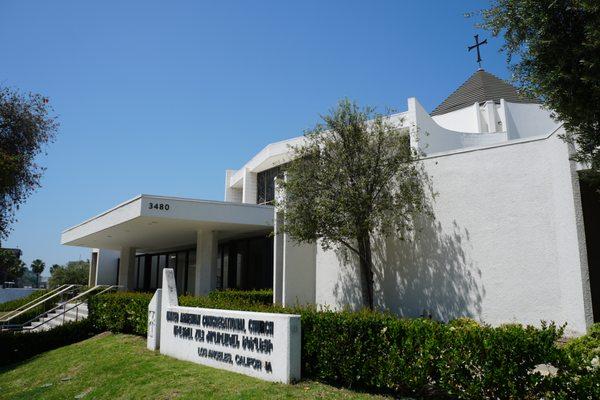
[106,288]
[61,305]
[68,287]
[16,310]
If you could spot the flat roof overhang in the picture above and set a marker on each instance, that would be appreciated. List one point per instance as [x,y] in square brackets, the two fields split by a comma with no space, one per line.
[149,222]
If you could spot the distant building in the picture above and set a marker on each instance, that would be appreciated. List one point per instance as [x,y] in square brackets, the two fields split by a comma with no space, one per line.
[515,237]
[16,252]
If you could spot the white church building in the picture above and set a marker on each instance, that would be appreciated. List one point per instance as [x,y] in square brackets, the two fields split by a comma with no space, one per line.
[515,236]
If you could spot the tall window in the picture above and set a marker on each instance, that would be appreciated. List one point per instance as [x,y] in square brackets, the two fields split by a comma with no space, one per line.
[149,269]
[265,180]
[246,263]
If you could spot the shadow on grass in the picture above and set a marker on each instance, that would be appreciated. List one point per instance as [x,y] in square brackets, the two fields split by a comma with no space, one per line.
[18,348]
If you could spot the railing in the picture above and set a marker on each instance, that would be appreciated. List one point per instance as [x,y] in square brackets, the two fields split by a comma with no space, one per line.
[80,297]
[10,314]
[41,301]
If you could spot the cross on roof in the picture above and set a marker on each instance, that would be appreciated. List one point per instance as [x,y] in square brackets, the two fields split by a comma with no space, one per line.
[476,46]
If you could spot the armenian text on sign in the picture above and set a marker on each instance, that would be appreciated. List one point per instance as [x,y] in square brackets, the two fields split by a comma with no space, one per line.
[262,345]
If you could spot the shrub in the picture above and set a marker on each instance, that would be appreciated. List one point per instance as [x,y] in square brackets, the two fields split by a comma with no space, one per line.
[127,312]
[584,357]
[263,296]
[120,312]
[485,362]
[14,304]
[17,346]
[370,350]
[420,357]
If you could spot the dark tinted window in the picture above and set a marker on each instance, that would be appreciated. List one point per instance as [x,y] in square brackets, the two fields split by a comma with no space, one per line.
[265,180]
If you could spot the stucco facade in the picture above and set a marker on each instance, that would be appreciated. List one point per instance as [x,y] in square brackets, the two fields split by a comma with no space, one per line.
[507,243]
[504,245]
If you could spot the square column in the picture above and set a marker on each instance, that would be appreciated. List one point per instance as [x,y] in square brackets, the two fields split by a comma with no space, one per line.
[278,259]
[206,262]
[249,188]
[127,268]
[231,193]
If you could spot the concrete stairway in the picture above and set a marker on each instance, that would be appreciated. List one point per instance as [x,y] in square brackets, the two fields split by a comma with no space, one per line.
[58,317]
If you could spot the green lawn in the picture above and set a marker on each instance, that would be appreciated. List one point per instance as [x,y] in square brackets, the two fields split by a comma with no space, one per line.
[119,366]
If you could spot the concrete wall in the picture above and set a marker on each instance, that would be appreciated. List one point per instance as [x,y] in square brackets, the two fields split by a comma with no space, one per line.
[249,189]
[462,120]
[430,138]
[526,120]
[231,193]
[298,272]
[505,245]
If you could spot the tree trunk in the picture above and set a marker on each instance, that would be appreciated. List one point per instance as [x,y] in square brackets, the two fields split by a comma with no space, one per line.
[366,268]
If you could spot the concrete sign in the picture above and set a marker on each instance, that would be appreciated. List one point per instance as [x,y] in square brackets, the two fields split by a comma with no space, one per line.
[262,345]
[153,338]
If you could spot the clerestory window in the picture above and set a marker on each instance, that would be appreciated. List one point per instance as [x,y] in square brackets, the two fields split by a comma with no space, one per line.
[265,181]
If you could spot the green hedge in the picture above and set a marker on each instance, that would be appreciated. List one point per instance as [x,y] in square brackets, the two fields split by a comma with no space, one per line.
[18,346]
[14,304]
[264,296]
[120,312]
[128,312]
[419,357]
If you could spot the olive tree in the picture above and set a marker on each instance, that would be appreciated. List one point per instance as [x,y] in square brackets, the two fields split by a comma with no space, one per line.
[355,176]
[25,128]
[553,49]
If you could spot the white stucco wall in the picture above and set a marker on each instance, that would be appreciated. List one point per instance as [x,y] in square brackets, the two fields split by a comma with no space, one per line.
[527,120]
[462,120]
[298,271]
[232,194]
[249,187]
[506,245]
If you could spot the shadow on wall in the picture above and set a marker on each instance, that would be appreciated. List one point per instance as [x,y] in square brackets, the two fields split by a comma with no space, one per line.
[347,291]
[428,275]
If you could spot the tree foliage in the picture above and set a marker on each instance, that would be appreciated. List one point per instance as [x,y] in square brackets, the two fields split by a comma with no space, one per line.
[557,49]
[11,266]
[28,278]
[25,127]
[74,272]
[355,176]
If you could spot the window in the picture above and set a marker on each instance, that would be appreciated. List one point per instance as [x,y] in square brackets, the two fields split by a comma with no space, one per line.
[246,263]
[265,189]
[149,269]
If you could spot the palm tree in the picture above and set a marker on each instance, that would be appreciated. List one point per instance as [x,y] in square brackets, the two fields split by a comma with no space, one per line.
[37,267]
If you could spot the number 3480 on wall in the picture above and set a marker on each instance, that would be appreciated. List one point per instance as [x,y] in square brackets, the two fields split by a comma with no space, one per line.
[159,206]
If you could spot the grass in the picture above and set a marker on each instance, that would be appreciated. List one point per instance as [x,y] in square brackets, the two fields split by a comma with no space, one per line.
[119,366]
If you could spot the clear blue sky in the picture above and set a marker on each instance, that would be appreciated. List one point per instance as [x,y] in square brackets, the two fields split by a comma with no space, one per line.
[160,97]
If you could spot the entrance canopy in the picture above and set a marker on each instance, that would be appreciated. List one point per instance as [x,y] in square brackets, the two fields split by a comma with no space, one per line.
[151,222]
